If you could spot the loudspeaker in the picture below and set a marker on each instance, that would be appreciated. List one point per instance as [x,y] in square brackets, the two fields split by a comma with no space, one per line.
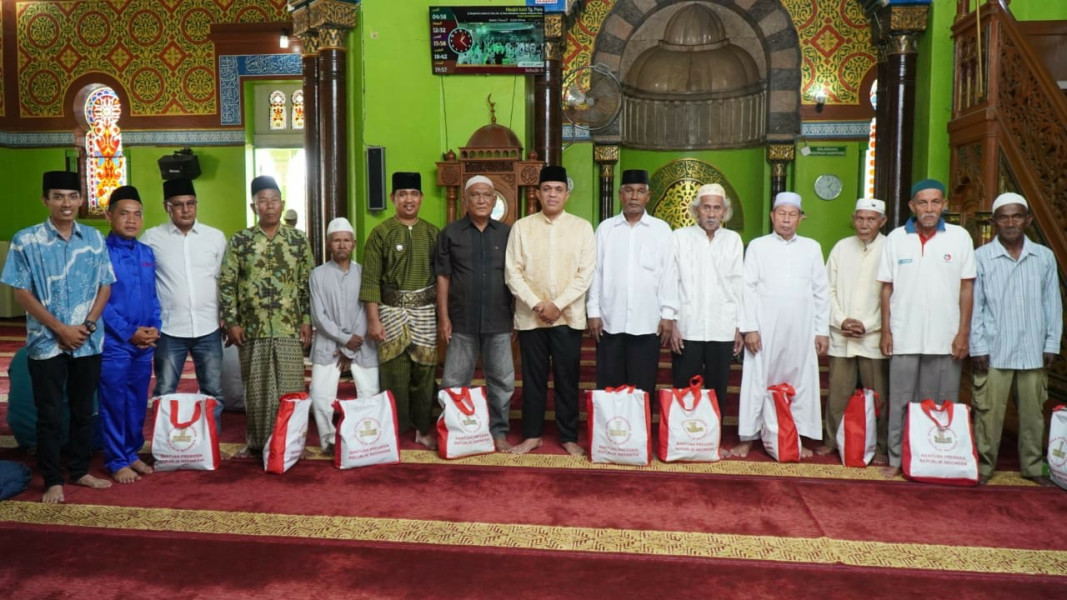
[376,186]
[183,164]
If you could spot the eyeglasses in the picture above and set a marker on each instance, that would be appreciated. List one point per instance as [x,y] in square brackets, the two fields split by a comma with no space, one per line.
[182,205]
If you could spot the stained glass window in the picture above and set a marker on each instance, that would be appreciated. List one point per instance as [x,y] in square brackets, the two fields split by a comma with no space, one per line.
[298,109]
[277,110]
[105,164]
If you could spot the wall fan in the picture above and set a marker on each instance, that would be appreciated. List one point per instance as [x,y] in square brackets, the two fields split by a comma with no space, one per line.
[592,97]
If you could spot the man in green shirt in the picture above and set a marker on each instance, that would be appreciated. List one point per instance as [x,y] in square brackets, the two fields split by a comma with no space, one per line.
[399,293]
[264,304]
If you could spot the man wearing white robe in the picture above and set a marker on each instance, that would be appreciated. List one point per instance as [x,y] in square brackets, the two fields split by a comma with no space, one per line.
[785,323]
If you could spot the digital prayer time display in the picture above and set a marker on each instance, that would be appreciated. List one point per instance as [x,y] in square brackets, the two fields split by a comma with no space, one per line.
[503,40]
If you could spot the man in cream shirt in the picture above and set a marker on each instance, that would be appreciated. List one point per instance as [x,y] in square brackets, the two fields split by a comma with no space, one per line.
[856,322]
[549,267]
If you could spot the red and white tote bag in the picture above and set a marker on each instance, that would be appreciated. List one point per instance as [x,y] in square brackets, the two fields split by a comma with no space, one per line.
[857,434]
[938,444]
[368,432]
[779,432]
[286,445]
[1057,446]
[620,426]
[463,427]
[690,426]
[184,434]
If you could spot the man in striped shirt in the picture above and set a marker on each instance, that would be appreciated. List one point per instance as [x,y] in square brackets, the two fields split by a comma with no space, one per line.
[1015,336]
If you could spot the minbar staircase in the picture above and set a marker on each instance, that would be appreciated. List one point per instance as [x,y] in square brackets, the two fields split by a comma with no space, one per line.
[1008,133]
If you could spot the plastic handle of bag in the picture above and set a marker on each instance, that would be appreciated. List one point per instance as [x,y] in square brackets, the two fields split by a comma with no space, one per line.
[183,424]
[878,404]
[462,400]
[696,385]
[785,390]
[929,406]
[627,389]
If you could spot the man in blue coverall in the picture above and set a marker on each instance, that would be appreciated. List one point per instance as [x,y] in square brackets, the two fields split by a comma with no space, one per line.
[131,328]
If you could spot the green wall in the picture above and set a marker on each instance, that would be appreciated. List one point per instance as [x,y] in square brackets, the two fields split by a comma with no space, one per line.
[829,220]
[415,115]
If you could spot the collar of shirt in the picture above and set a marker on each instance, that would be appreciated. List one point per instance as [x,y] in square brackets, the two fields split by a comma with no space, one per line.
[865,246]
[909,225]
[644,220]
[550,221]
[467,223]
[173,229]
[333,264]
[76,229]
[114,239]
[1028,248]
[783,240]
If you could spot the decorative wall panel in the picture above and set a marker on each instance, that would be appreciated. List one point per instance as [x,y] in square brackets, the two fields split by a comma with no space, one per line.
[157,50]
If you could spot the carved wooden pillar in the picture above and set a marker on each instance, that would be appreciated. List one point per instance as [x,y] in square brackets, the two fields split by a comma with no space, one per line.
[881,115]
[780,155]
[606,156]
[313,181]
[896,29]
[548,114]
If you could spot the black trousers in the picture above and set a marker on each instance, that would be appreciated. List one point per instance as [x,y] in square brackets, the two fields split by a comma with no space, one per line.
[79,377]
[562,345]
[624,359]
[711,360]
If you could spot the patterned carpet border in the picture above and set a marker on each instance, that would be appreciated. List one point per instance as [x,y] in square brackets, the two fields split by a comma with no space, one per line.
[549,538]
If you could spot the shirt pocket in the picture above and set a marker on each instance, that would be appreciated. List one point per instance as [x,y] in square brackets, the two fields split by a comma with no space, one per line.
[648,260]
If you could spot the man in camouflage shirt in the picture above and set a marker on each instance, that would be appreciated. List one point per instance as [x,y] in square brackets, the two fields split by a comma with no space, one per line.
[264,304]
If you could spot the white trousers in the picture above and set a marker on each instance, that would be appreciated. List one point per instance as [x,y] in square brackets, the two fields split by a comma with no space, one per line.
[323,392]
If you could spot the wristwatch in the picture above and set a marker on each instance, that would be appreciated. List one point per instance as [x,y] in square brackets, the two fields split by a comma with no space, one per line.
[90,325]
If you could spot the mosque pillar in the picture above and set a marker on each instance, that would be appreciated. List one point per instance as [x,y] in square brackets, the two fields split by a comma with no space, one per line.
[312,182]
[548,88]
[780,155]
[896,29]
[606,157]
[881,116]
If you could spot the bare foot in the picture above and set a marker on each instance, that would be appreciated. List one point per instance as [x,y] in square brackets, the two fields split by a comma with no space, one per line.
[244,452]
[573,449]
[93,482]
[526,446]
[328,449]
[823,450]
[502,445]
[428,440]
[741,450]
[880,460]
[805,453]
[889,472]
[125,475]
[141,467]
[53,495]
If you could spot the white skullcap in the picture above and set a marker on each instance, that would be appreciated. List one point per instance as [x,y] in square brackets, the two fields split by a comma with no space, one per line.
[1009,198]
[339,224]
[711,189]
[786,199]
[871,204]
[478,179]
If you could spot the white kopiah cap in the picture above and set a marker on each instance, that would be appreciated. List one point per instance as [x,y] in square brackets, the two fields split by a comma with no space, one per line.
[786,199]
[711,189]
[339,224]
[871,204]
[1009,198]
[478,179]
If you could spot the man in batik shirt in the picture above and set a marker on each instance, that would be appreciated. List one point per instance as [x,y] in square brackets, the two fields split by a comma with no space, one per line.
[264,304]
[399,292]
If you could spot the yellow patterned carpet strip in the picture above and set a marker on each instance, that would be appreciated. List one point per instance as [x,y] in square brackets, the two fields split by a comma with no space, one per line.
[544,537]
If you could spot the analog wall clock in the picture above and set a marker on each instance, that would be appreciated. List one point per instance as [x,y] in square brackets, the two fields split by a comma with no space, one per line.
[828,186]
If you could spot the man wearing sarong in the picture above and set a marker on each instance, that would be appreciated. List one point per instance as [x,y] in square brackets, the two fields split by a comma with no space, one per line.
[265,306]
[131,330]
[785,320]
[399,294]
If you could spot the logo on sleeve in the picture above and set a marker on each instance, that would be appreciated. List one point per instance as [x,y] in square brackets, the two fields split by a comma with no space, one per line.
[904,261]
[947,257]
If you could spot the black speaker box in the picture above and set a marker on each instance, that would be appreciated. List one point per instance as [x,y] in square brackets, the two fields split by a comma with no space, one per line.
[183,164]
[376,186]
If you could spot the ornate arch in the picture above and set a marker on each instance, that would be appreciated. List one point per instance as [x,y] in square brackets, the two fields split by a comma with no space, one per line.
[768,18]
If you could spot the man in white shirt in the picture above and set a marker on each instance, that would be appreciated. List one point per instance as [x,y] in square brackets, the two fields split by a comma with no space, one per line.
[856,322]
[927,274]
[549,266]
[784,318]
[633,300]
[340,321]
[708,261]
[188,256]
